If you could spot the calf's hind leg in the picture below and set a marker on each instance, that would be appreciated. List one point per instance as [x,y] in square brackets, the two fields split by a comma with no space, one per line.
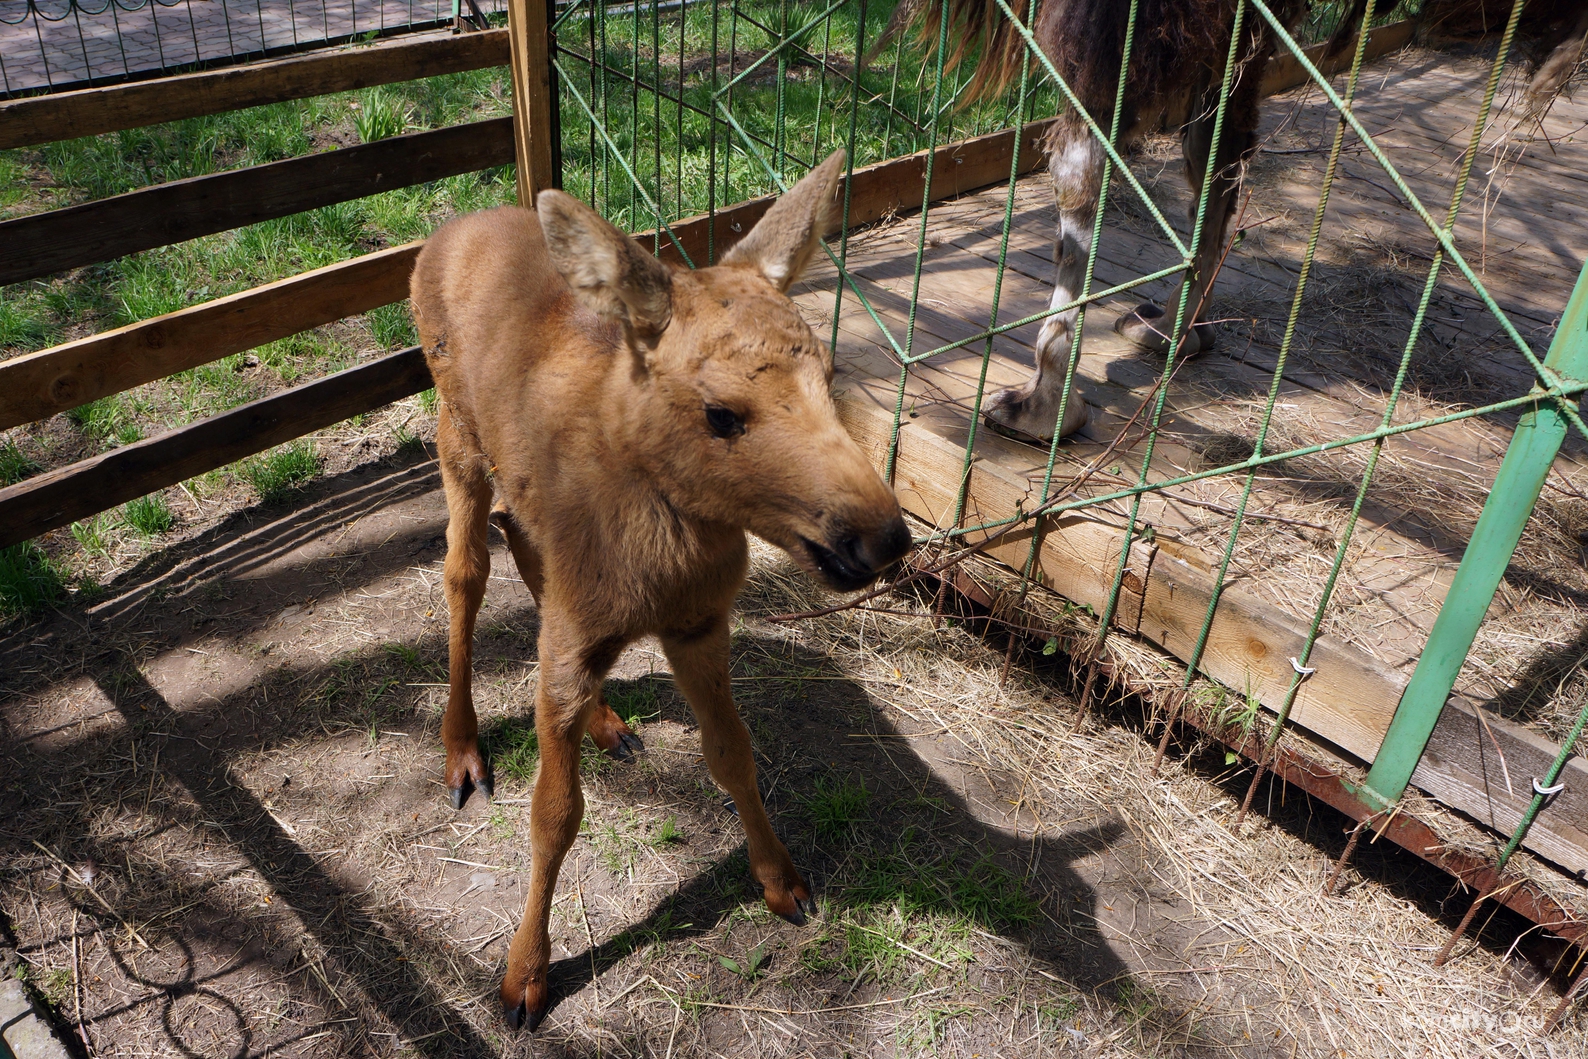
[700,665]
[467,568]
[607,730]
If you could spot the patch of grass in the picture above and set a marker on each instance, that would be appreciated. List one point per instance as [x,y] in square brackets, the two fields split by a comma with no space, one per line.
[429,401]
[29,580]
[277,475]
[380,114]
[512,748]
[149,515]
[22,323]
[667,833]
[835,807]
[107,419]
[392,326]
[993,896]
[15,464]
[93,534]
[402,653]
[751,967]
[635,702]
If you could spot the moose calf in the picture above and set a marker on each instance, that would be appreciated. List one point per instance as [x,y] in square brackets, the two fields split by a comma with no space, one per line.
[635,420]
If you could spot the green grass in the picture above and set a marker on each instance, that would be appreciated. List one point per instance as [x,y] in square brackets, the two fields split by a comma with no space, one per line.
[29,581]
[512,748]
[94,534]
[277,475]
[15,464]
[149,515]
[835,807]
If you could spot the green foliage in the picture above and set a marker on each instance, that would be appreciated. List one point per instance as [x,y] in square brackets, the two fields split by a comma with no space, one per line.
[93,534]
[751,967]
[667,833]
[149,515]
[380,114]
[835,807]
[393,326]
[107,419]
[15,464]
[512,748]
[277,475]
[429,401]
[29,580]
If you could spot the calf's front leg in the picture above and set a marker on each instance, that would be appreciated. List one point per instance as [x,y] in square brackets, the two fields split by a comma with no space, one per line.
[566,702]
[700,666]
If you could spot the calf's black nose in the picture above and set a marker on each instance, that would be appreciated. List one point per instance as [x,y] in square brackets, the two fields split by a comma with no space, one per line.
[871,553]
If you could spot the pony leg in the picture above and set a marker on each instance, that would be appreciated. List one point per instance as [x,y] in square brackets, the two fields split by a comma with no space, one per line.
[467,567]
[1149,325]
[1031,409]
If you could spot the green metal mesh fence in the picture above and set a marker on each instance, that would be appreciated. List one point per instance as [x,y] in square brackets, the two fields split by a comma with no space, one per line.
[672,110]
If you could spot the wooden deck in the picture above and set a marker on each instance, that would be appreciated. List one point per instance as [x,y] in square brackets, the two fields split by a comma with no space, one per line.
[1524,226]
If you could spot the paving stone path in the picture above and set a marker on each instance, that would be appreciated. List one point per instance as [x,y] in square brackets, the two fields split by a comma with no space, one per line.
[70,42]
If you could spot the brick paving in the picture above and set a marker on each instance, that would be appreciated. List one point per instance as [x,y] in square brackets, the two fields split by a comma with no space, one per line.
[64,42]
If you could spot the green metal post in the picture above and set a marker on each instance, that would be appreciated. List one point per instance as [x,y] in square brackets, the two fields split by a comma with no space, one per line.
[1533,447]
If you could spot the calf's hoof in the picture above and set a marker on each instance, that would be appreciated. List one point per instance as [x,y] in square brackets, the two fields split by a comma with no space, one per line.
[615,739]
[792,903]
[1148,326]
[519,1017]
[468,771]
[525,1007]
[1015,414]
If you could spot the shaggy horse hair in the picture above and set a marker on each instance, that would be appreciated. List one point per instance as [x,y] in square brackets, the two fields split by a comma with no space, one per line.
[1179,49]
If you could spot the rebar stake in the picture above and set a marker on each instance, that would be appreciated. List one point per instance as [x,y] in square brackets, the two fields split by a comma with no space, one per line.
[1345,856]
[1168,727]
[1461,928]
[1565,1001]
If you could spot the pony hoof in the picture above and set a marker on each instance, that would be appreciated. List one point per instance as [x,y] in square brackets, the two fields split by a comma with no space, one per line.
[519,1017]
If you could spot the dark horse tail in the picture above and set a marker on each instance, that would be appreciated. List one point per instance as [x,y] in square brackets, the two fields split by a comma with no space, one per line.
[1084,40]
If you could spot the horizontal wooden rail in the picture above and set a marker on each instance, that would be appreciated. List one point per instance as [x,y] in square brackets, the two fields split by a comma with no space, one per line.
[44,243]
[60,497]
[1348,701]
[1285,73]
[877,191]
[90,111]
[37,385]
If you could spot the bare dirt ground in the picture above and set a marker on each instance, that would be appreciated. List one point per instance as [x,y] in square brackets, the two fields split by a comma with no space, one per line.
[226,835]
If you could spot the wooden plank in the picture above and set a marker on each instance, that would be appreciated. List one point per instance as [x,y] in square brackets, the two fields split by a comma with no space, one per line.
[43,243]
[529,32]
[876,191]
[91,111]
[53,380]
[1285,73]
[1349,699]
[59,497]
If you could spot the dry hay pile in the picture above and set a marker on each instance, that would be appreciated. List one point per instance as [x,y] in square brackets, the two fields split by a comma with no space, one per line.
[252,789]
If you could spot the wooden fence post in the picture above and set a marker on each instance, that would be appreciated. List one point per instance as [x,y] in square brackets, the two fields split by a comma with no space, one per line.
[534,103]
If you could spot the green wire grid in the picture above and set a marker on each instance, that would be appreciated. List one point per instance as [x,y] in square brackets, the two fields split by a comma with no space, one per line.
[790,86]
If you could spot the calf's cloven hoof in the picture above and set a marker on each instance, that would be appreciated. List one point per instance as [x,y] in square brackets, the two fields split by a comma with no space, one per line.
[628,747]
[519,1017]
[460,794]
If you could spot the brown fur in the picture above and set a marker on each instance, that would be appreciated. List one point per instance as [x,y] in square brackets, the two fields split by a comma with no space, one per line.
[1550,37]
[577,375]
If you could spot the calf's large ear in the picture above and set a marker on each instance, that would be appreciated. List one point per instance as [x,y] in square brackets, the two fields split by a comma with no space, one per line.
[607,270]
[782,244]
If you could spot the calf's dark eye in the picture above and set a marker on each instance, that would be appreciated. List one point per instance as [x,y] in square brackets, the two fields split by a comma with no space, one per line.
[723,422]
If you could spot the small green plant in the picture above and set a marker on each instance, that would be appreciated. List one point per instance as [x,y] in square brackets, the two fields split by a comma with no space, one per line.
[29,580]
[428,401]
[149,515]
[14,464]
[93,534]
[105,419]
[392,326]
[635,703]
[379,115]
[512,748]
[277,475]
[667,833]
[754,963]
[836,807]
[404,654]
